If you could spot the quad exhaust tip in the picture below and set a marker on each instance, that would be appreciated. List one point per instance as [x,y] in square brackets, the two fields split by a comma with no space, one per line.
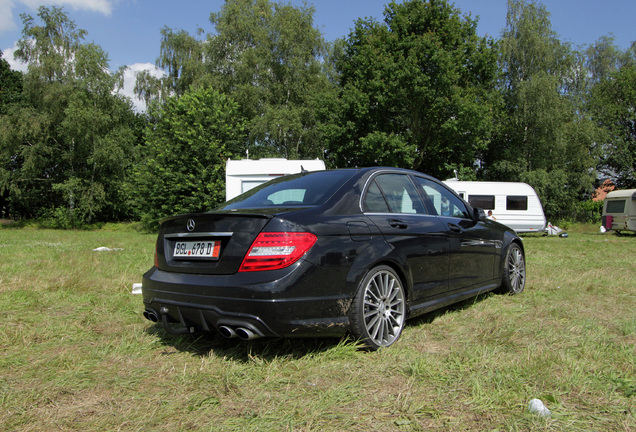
[246,334]
[151,316]
[228,332]
[240,332]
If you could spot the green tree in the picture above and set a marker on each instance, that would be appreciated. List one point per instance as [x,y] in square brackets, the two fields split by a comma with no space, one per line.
[415,91]
[49,48]
[10,95]
[543,136]
[267,57]
[604,58]
[188,140]
[181,57]
[614,108]
[10,85]
[69,144]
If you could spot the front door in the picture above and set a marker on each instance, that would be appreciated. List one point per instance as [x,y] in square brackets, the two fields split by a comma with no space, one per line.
[473,250]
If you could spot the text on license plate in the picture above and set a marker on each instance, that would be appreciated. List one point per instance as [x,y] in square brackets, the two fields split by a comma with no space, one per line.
[197,249]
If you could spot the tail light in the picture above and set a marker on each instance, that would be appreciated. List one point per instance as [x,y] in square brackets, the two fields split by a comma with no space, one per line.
[276,250]
[156,258]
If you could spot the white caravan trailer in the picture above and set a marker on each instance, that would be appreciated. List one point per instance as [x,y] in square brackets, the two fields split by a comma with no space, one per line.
[619,210]
[513,204]
[243,175]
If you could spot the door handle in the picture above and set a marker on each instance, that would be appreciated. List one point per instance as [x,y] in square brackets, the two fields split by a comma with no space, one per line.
[395,223]
[454,228]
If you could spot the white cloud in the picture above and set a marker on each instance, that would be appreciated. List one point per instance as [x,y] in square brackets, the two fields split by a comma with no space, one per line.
[102,6]
[8,21]
[130,76]
[6,16]
[7,55]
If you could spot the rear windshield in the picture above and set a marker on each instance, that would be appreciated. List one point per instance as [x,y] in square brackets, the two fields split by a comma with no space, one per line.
[311,189]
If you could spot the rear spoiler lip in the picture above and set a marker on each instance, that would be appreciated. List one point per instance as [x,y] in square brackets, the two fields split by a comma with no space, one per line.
[223,213]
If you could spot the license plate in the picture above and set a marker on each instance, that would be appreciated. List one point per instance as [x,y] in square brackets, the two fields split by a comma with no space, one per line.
[197,249]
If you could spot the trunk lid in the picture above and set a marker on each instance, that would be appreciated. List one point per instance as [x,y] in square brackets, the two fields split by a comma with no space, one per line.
[207,243]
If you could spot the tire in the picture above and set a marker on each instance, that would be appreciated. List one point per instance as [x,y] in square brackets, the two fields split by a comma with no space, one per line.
[514,272]
[378,311]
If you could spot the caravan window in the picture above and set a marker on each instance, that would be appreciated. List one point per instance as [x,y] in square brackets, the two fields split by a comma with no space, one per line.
[517,202]
[250,184]
[615,206]
[486,202]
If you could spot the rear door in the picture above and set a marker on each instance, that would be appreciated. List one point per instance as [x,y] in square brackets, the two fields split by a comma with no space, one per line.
[391,201]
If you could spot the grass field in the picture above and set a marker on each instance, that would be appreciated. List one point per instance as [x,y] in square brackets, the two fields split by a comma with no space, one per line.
[76,354]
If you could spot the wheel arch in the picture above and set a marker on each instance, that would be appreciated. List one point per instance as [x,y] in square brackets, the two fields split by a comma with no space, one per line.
[360,269]
[407,282]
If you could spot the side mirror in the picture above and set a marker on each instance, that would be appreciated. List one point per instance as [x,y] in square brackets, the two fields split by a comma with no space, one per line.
[479,215]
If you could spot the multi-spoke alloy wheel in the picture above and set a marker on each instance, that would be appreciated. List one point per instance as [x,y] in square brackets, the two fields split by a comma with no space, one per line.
[514,277]
[379,309]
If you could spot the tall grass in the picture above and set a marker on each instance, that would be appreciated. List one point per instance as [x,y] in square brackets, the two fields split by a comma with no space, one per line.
[75,353]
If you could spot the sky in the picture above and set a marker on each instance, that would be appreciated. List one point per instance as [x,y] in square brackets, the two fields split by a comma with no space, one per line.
[129,30]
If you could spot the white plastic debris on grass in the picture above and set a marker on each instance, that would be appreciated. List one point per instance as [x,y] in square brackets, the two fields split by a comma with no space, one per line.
[136,289]
[552,230]
[106,249]
[536,407]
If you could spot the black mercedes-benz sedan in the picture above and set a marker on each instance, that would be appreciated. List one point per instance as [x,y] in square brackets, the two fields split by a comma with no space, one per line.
[326,253]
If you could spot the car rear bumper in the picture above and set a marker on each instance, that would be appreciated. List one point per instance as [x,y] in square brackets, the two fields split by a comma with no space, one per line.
[269,308]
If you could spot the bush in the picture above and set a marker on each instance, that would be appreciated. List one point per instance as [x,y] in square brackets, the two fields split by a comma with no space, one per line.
[590,211]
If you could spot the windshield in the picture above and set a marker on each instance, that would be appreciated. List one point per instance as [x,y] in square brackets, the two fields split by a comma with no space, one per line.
[310,189]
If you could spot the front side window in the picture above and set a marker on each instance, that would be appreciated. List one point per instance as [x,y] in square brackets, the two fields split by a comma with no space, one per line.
[443,200]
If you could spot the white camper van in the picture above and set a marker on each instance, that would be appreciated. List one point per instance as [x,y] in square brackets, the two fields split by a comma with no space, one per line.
[513,204]
[243,175]
[619,210]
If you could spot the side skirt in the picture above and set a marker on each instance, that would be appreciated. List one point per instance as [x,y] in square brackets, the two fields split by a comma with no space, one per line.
[454,297]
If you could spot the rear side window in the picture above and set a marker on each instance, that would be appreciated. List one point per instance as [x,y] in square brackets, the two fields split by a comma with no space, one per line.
[374,201]
[517,202]
[393,192]
[615,206]
[486,202]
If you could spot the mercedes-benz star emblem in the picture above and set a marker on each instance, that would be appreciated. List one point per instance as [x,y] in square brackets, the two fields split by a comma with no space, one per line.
[190,225]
